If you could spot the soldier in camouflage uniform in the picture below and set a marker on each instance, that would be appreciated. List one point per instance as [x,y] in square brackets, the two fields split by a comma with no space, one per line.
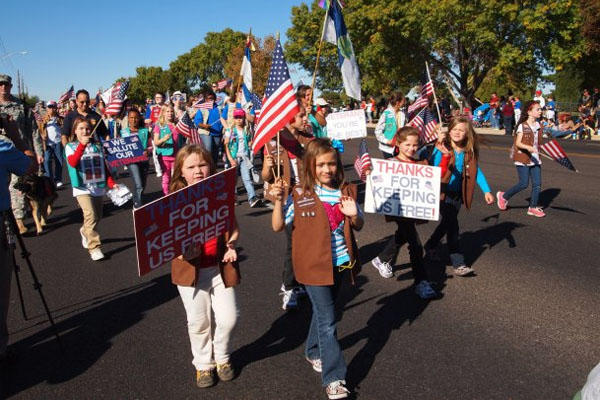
[13,112]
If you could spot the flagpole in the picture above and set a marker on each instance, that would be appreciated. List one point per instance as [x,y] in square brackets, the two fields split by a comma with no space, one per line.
[314,79]
[437,107]
[241,75]
[278,157]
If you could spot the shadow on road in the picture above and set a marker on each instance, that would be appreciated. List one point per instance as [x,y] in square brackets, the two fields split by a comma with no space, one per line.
[86,336]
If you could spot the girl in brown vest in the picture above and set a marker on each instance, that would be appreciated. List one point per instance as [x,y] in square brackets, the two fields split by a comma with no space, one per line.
[458,185]
[323,211]
[407,144]
[205,277]
[526,155]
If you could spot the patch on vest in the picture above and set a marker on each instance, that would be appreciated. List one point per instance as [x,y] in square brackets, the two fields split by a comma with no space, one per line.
[299,190]
[306,202]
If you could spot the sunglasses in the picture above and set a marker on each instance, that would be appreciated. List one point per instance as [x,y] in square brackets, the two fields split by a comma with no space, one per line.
[239,117]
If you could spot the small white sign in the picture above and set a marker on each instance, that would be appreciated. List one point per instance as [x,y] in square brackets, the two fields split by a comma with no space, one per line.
[403,189]
[346,125]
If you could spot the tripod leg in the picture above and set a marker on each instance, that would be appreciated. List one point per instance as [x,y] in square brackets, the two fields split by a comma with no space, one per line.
[18,280]
[36,283]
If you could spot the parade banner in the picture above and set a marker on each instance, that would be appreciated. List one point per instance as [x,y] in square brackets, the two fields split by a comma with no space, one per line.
[346,125]
[403,189]
[165,228]
[124,150]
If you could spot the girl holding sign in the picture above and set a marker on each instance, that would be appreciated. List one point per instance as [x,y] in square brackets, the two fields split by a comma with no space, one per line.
[89,178]
[166,142]
[407,144]
[323,211]
[205,277]
[138,170]
[461,144]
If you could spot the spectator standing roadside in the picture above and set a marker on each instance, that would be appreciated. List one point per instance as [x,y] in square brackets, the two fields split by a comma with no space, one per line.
[517,107]
[50,131]
[508,115]
[539,98]
[370,105]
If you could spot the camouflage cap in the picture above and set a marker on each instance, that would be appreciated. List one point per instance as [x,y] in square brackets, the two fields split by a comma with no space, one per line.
[5,78]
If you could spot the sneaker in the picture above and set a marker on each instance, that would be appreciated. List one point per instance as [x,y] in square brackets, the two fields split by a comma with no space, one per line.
[384,268]
[337,390]
[59,184]
[316,364]
[425,291]
[84,241]
[96,254]
[159,175]
[463,270]
[300,291]
[205,378]
[225,372]
[254,202]
[502,204]
[289,300]
[536,212]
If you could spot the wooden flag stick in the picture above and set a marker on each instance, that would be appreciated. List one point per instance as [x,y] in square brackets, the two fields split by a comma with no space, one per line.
[437,107]
[314,79]
[278,157]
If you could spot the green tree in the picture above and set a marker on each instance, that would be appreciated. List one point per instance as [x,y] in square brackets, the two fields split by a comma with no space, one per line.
[147,81]
[466,41]
[261,62]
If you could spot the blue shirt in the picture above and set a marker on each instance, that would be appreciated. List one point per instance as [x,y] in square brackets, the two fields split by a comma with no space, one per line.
[518,104]
[456,178]
[214,120]
[12,161]
[339,251]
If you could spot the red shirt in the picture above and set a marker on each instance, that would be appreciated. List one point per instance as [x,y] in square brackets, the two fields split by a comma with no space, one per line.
[209,254]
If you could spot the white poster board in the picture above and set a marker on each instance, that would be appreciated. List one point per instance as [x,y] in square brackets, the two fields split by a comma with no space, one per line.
[403,189]
[346,125]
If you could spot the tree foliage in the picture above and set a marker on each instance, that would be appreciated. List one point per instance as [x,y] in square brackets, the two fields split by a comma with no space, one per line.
[261,62]
[466,41]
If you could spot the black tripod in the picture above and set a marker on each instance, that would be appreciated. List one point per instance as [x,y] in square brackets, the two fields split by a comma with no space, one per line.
[36,283]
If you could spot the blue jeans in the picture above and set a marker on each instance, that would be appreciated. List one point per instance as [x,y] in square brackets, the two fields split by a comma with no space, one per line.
[53,151]
[556,132]
[524,172]
[244,166]
[138,174]
[322,342]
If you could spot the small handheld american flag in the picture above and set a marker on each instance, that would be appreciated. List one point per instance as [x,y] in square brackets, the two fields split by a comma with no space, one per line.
[426,124]
[186,127]
[66,95]
[203,105]
[362,163]
[423,100]
[222,84]
[117,98]
[556,152]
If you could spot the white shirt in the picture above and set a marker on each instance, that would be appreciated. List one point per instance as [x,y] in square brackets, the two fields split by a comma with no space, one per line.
[535,157]
[53,131]
[540,99]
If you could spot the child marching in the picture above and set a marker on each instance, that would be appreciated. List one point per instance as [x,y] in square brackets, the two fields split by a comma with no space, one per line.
[89,178]
[458,185]
[526,156]
[323,212]
[205,277]
[407,144]
[166,142]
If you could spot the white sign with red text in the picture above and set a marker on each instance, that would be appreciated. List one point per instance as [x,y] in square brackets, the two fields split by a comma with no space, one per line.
[403,189]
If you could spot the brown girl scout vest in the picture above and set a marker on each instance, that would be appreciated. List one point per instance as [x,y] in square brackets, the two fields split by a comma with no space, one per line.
[520,155]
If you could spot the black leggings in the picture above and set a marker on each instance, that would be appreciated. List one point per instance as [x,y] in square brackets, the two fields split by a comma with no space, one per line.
[406,233]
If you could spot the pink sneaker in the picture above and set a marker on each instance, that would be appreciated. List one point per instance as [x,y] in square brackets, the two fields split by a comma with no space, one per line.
[502,204]
[536,212]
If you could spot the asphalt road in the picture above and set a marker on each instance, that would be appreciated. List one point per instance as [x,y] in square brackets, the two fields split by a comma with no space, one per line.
[525,327]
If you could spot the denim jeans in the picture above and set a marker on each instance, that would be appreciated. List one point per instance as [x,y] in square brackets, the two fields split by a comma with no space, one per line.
[138,174]
[448,226]
[244,166]
[53,152]
[508,125]
[524,172]
[322,342]
[556,132]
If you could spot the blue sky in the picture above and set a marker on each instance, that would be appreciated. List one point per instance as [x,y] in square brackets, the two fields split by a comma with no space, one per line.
[89,44]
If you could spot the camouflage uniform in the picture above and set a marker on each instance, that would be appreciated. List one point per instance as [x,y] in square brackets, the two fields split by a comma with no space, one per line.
[28,130]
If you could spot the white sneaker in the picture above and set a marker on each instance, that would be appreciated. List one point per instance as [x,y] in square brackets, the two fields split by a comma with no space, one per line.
[425,291]
[384,268]
[289,299]
[96,254]
[59,184]
[337,390]
[317,365]
[84,241]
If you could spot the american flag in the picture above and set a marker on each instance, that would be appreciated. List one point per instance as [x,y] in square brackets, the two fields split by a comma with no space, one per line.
[423,100]
[362,163]
[256,105]
[556,152]
[66,95]
[426,124]
[280,104]
[116,99]
[204,105]
[186,127]
[222,84]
